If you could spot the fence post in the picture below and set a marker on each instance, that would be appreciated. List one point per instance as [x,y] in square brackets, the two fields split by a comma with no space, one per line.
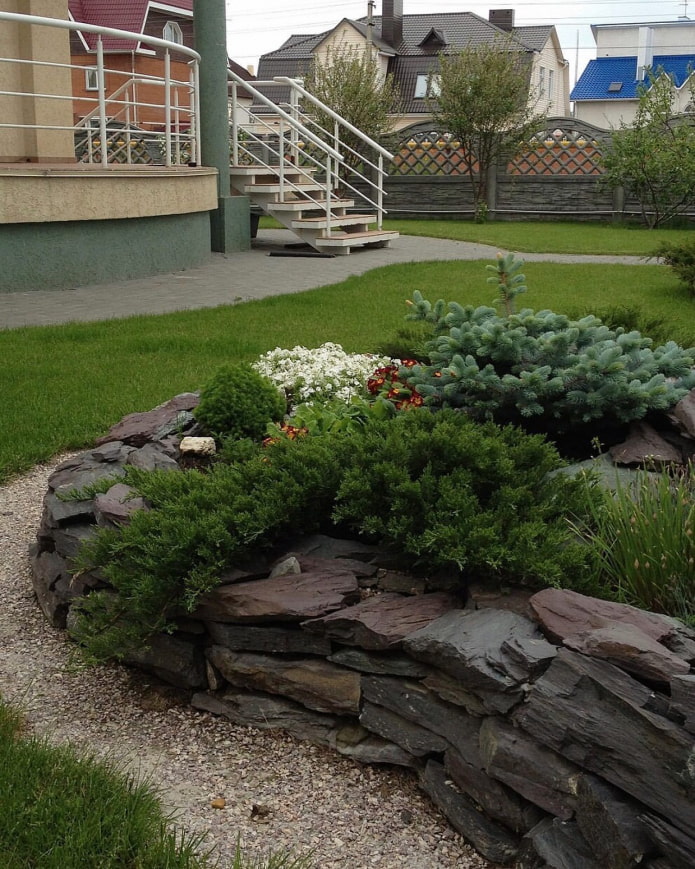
[618,204]
[491,199]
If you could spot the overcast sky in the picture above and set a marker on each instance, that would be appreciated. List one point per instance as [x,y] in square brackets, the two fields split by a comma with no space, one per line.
[255,27]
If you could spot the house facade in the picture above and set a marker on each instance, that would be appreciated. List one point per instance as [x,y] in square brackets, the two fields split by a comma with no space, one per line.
[407,47]
[125,60]
[607,91]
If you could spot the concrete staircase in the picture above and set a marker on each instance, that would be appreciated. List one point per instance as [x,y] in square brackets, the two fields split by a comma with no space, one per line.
[291,169]
[301,205]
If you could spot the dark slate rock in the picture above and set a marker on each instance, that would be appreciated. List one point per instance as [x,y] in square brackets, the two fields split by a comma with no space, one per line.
[116,506]
[556,844]
[114,451]
[415,703]
[139,428]
[172,659]
[57,511]
[357,743]
[540,775]
[610,823]
[683,700]
[268,713]
[87,474]
[631,650]
[485,596]
[284,598]
[70,538]
[677,846]
[493,650]
[617,738]
[311,682]
[323,546]
[400,583]
[278,640]
[681,642]
[499,802]
[489,838]
[310,563]
[563,613]
[152,457]
[645,446]
[381,621]
[416,740]
[379,663]
[450,689]
[47,569]
[684,413]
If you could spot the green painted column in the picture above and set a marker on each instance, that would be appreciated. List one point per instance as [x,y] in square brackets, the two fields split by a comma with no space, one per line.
[230,224]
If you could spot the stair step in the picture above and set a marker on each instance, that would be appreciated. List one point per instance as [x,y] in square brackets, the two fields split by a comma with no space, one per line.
[250,189]
[342,242]
[336,220]
[310,204]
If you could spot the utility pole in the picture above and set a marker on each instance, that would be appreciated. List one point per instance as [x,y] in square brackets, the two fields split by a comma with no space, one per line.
[230,224]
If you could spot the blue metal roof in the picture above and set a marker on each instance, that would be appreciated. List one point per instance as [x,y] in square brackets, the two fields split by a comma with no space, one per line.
[600,74]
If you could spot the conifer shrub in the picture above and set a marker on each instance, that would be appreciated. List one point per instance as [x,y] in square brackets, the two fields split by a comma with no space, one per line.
[681,259]
[449,492]
[542,366]
[239,402]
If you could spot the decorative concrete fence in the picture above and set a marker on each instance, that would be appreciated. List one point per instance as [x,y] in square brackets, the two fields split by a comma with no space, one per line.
[553,730]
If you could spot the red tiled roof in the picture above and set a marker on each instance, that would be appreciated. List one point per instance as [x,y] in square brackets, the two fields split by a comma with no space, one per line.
[119,14]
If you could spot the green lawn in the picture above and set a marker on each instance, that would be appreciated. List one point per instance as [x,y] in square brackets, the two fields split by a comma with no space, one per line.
[62,386]
[540,237]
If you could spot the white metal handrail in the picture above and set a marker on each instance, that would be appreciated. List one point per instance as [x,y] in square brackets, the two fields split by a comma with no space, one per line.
[173,112]
[302,129]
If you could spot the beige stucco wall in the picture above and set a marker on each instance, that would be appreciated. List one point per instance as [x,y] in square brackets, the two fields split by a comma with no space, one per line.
[38,43]
[621,40]
[32,195]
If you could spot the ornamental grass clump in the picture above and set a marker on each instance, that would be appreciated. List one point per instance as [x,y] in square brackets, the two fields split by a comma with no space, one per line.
[643,536]
[543,368]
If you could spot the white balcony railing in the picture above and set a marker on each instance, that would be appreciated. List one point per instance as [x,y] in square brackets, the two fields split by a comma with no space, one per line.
[111,127]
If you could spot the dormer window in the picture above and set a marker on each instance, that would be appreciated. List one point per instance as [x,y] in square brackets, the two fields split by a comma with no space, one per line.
[435,38]
[173,33]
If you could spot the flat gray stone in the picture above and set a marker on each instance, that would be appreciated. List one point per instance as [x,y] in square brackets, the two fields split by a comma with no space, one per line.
[69,538]
[540,775]
[498,801]
[415,739]
[355,742]
[268,713]
[645,446]
[491,839]
[315,684]
[56,511]
[86,474]
[274,639]
[616,737]
[173,660]
[47,569]
[493,650]
[413,702]
[381,621]
[116,506]
[379,663]
[684,413]
[683,699]
[152,457]
[284,598]
[631,650]
[557,844]
[137,429]
[677,846]
[611,824]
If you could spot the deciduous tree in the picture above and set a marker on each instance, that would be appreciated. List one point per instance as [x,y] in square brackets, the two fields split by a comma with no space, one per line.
[483,99]
[654,158]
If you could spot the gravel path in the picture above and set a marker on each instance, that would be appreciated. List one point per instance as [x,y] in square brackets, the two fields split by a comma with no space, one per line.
[353,817]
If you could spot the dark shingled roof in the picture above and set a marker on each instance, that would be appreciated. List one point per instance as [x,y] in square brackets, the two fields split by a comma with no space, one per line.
[415,55]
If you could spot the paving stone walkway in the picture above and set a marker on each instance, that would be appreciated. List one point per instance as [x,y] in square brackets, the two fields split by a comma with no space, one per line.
[225,280]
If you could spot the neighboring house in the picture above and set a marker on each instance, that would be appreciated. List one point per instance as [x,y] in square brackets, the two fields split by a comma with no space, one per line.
[606,93]
[171,20]
[407,47]
[244,98]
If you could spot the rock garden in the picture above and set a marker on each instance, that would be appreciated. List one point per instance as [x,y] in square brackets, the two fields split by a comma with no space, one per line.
[471,555]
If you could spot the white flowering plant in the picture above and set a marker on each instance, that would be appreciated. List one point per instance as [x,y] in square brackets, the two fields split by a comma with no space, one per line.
[320,374]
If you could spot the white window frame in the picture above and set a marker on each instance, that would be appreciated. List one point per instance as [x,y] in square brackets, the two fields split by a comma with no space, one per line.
[541,81]
[551,83]
[426,86]
[172,32]
[91,78]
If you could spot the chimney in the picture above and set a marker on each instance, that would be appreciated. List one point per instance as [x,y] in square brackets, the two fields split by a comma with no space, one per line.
[502,18]
[392,22]
[645,51]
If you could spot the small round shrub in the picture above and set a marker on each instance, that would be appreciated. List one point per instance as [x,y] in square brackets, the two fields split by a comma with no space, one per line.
[239,402]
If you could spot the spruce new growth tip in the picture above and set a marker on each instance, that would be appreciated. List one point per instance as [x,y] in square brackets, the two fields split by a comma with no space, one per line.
[507,278]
